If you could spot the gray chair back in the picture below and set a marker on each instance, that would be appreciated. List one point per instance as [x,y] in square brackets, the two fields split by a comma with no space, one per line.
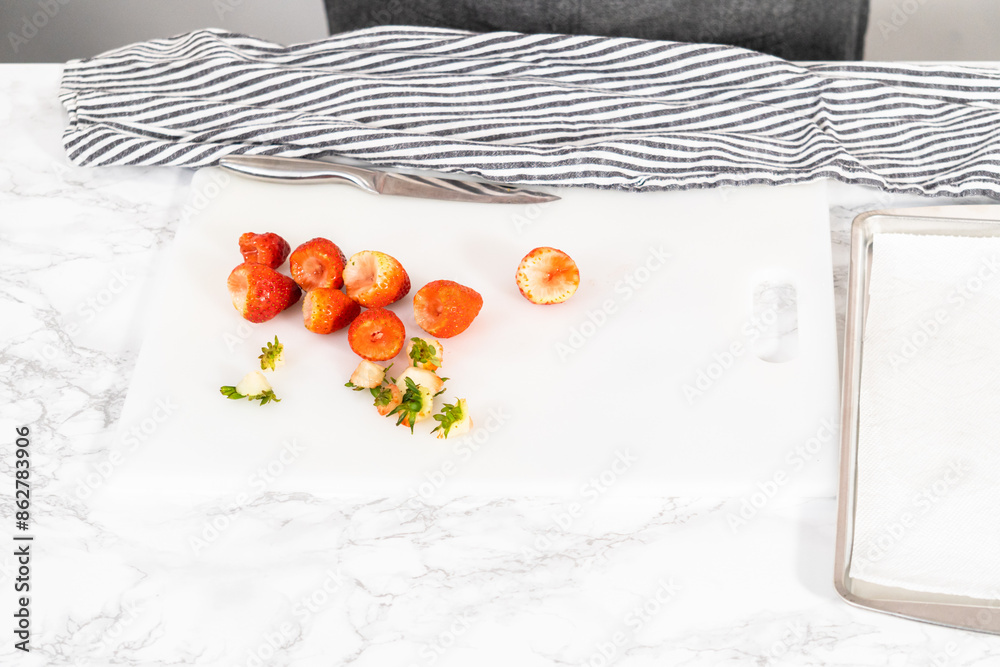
[790,29]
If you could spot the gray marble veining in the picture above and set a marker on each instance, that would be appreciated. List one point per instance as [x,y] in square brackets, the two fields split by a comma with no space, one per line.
[304,580]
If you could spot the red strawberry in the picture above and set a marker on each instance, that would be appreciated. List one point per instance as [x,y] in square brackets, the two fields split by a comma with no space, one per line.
[547,275]
[259,292]
[268,249]
[377,334]
[317,263]
[443,308]
[375,279]
[326,309]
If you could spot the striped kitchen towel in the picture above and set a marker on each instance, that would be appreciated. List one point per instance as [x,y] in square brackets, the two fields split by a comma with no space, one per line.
[539,109]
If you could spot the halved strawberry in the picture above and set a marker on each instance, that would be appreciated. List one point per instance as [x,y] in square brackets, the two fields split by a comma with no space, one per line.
[317,263]
[268,249]
[444,308]
[326,309]
[547,275]
[259,292]
[377,334]
[375,279]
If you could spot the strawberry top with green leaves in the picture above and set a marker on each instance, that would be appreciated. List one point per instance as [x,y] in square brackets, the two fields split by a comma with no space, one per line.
[424,353]
[317,263]
[387,398]
[253,387]
[547,275]
[272,356]
[444,308]
[259,292]
[415,404]
[268,249]
[453,419]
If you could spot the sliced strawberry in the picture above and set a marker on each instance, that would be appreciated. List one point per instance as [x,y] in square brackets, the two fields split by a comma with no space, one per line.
[443,308]
[547,275]
[423,378]
[268,249]
[259,292]
[325,310]
[317,263]
[377,334]
[367,375]
[375,279]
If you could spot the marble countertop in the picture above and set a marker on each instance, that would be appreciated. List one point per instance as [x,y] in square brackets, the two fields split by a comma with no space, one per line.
[293,579]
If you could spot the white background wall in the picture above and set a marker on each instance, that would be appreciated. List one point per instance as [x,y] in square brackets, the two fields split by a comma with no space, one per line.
[933,30]
[80,28]
[898,29]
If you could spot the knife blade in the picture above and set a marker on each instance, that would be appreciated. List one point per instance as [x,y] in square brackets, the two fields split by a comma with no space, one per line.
[299,170]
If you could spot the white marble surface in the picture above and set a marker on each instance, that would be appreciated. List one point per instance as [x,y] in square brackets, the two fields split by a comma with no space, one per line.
[302,580]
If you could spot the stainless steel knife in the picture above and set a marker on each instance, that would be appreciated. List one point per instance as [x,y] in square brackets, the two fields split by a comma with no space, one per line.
[299,170]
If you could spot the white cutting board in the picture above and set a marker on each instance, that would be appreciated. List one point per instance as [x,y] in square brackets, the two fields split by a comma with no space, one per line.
[612,414]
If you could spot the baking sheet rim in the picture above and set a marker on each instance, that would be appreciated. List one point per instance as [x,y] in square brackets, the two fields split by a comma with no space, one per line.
[951,611]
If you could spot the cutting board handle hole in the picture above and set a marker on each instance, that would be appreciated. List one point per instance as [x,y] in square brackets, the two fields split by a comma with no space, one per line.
[775,323]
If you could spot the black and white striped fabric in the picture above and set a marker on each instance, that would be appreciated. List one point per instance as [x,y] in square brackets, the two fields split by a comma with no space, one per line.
[539,109]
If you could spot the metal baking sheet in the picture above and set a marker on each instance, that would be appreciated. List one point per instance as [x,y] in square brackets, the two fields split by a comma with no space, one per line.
[948,610]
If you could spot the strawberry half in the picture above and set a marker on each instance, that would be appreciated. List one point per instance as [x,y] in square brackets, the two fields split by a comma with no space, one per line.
[259,292]
[317,263]
[547,275]
[325,310]
[444,308]
[268,249]
[376,334]
[375,279]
